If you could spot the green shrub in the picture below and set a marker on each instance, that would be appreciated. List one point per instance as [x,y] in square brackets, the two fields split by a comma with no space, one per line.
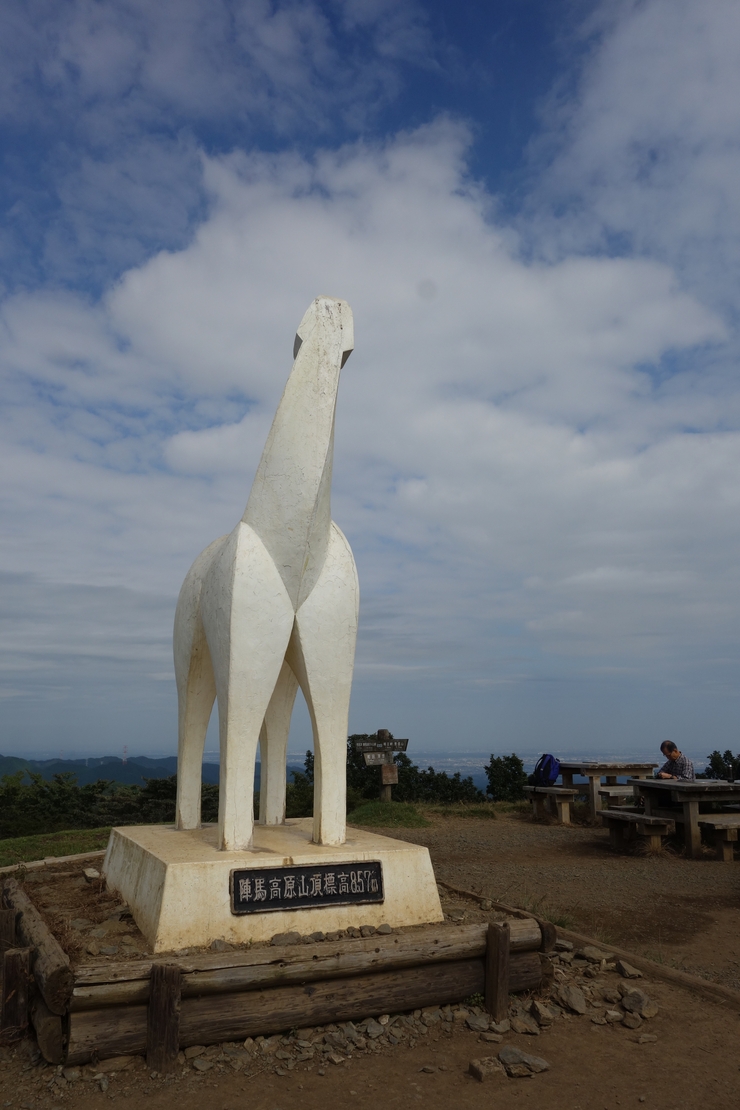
[725,766]
[506,778]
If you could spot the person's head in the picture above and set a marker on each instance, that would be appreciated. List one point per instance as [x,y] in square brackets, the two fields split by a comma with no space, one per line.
[669,749]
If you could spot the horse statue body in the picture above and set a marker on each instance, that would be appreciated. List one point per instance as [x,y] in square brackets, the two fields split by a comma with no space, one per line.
[274,606]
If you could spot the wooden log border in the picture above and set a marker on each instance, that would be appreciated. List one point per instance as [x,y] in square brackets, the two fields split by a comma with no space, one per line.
[154,1007]
[51,967]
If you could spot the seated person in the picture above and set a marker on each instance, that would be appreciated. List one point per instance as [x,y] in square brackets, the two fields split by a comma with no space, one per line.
[676,766]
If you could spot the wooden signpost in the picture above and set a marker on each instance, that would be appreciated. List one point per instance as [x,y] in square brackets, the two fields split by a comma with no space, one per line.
[379,753]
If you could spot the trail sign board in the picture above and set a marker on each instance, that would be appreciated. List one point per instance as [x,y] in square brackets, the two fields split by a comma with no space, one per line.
[381,745]
[374,759]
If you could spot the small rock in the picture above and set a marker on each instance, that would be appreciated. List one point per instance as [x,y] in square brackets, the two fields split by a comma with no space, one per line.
[194,1050]
[613,1016]
[572,998]
[523,1023]
[611,996]
[501,1026]
[93,948]
[201,1064]
[335,1058]
[428,1068]
[100,932]
[102,1081]
[270,1045]
[637,1002]
[374,1029]
[564,946]
[632,1021]
[486,904]
[647,1038]
[599,1019]
[71,1074]
[542,1014]
[129,941]
[594,955]
[491,1038]
[219,945]
[286,938]
[384,929]
[519,1064]
[458,1016]
[108,949]
[477,1022]
[485,1068]
[317,936]
[385,1018]
[91,874]
[367,930]
[627,970]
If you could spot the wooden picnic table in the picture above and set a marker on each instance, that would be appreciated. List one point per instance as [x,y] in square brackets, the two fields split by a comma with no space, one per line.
[660,794]
[594,771]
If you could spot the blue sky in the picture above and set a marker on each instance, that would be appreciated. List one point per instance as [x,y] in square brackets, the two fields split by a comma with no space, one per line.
[533,210]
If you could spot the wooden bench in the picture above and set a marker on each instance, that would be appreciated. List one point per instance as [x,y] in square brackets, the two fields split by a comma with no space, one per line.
[625,825]
[616,795]
[725,826]
[557,800]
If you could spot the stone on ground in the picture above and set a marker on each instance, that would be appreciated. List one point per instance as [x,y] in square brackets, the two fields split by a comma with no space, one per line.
[573,998]
[485,1068]
[627,970]
[520,1064]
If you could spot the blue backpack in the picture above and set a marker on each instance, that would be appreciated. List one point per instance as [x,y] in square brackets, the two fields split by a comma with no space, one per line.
[546,771]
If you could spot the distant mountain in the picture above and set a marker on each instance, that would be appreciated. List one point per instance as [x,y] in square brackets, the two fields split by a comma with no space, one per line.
[131,773]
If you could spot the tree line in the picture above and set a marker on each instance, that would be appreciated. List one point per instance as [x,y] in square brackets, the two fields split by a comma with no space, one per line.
[30,804]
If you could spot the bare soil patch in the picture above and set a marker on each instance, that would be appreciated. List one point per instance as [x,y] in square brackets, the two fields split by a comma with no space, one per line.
[682,912]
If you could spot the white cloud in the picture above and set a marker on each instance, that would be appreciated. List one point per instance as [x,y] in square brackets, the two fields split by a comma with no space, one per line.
[537,446]
[650,150]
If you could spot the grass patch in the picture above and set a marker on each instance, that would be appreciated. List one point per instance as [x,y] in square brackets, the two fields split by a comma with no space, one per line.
[539,908]
[388,815]
[24,849]
[485,810]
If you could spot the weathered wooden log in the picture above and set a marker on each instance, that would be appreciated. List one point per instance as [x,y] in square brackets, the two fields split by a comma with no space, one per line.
[497,971]
[122,1030]
[163,1019]
[49,1032]
[548,934]
[14,999]
[8,929]
[51,968]
[118,984]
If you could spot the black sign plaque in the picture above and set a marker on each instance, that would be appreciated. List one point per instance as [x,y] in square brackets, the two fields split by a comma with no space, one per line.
[265,889]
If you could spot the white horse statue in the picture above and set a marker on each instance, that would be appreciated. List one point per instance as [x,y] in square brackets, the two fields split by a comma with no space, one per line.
[274,606]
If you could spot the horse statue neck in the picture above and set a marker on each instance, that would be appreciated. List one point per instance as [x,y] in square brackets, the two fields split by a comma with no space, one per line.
[289,506]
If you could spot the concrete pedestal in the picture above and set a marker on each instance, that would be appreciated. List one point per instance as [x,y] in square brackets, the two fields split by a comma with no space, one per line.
[177,882]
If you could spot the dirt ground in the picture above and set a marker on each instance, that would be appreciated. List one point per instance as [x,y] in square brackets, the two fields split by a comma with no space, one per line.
[678,911]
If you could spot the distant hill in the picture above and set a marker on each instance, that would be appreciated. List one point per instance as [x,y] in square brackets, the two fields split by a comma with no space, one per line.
[131,773]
